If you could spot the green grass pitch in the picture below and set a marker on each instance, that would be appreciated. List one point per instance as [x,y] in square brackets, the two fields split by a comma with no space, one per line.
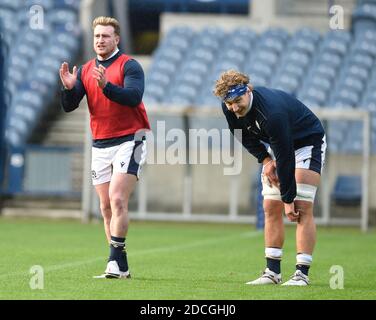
[175,261]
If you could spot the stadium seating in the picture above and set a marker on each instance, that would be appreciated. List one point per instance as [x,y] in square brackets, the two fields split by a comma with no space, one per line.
[34,59]
[336,69]
[347,190]
[364,16]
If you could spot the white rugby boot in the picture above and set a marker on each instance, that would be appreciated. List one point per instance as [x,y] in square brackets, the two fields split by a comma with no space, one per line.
[297,279]
[113,271]
[268,277]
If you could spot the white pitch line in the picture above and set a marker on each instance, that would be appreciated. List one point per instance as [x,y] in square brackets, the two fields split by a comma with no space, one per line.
[201,243]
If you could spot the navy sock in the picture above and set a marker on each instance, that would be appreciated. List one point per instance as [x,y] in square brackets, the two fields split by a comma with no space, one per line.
[303,268]
[124,261]
[273,265]
[118,253]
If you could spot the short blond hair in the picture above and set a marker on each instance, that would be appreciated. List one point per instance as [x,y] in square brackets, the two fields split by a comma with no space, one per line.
[229,79]
[107,21]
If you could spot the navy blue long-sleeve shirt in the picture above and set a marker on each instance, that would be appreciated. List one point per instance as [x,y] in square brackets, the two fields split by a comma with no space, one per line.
[286,124]
[129,95]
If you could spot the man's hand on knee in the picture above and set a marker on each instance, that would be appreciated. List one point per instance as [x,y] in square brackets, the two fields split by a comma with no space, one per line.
[290,212]
[270,172]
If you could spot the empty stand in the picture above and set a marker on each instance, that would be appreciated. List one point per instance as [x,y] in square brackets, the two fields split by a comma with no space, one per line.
[34,59]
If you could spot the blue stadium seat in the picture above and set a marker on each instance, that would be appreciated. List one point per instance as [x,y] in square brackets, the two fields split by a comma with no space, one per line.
[293,69]
[364,17]
[156,91]
[314,94]
[32,38]
[271,44]
[11,4]
[67,4]
[259,69]
[276,33]
[204,54]
[62,16]
[334,45]
[13,135]
[158,78]
[361,59]
[286,83]
[366,47]
[207,99]
[358,72]
[192,79]
[244,34]
[67,41]
[347,190]
[344,36]
[325,70]
[307,34]
[352,84]
[225,65]
[174,56]
[347,96]
[330,58]
[16,76]
[7,16]
[195,66]
[240,44]
[47,77]
[27,52]
[233,55]
[321,82]
[263,56]
[299,58]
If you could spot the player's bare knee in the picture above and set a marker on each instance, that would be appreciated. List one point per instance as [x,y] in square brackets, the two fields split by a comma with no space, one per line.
[106,210]
[117,203]
[272,209]
[304,206]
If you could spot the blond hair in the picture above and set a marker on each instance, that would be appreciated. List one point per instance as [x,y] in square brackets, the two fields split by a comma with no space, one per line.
[229,79]
[107,21]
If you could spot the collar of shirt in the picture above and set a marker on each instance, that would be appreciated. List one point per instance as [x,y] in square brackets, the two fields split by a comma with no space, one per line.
[115,52]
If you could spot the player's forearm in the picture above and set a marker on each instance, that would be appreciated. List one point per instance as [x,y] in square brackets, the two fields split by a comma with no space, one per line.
[69,100]
[131,97]
[251,144]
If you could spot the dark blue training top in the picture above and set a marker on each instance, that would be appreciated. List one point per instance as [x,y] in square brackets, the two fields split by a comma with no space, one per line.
[129,95]
[286,124]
